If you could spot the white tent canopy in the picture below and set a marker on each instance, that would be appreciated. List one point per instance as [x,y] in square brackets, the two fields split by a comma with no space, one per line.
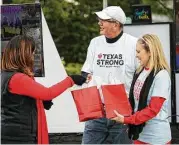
[62,117]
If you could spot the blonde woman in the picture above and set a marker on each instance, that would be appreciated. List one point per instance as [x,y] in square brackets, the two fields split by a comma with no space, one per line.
[149,95]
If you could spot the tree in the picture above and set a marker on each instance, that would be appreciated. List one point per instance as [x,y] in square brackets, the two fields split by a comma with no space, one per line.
[161,7]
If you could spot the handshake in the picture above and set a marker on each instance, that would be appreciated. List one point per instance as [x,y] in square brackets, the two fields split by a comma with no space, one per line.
[80,79]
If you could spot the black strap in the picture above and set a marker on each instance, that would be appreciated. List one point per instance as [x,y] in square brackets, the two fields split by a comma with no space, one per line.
[135,130]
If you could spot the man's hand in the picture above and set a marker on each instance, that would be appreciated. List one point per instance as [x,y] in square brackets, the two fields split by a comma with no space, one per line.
[119,117]
[89,77]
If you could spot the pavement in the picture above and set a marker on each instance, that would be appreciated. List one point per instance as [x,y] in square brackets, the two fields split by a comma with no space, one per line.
[75,138]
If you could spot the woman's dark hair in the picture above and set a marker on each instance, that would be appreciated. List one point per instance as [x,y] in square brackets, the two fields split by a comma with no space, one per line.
[18,55]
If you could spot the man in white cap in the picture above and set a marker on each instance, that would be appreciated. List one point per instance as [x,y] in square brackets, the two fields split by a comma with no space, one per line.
[111,53]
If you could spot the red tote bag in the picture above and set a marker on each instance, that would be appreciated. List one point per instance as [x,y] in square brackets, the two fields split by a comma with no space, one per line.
[115,98]
[88,103]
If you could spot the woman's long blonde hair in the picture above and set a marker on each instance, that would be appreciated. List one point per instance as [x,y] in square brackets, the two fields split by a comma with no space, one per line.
[152,44]
[18,55]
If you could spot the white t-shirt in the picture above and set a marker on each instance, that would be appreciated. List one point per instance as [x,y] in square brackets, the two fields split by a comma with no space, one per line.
[116,59]
[157,130]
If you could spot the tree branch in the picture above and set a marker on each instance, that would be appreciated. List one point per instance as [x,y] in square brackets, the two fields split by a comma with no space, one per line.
[162,5]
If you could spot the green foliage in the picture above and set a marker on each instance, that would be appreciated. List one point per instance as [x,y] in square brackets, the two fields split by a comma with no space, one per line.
[72,26]
[73,68]
[22,1]
[161,7]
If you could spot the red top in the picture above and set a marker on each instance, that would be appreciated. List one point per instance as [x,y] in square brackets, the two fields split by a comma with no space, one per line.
[147,113]
[29,87]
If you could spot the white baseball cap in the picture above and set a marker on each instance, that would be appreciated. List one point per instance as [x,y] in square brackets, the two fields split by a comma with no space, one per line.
[112,12]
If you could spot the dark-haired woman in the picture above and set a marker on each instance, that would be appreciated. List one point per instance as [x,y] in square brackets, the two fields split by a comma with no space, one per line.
[23,119]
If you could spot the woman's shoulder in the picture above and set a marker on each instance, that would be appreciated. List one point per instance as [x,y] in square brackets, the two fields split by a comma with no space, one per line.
[20,75]
[163,74]
[19,78]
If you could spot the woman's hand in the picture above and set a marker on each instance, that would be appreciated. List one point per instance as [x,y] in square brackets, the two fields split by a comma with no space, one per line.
[119,117]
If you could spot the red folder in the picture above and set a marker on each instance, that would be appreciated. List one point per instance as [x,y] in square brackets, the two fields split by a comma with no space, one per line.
[88,103]
[115,98]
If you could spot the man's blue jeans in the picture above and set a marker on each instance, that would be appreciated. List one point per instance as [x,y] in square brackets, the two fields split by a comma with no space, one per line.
[105,131]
